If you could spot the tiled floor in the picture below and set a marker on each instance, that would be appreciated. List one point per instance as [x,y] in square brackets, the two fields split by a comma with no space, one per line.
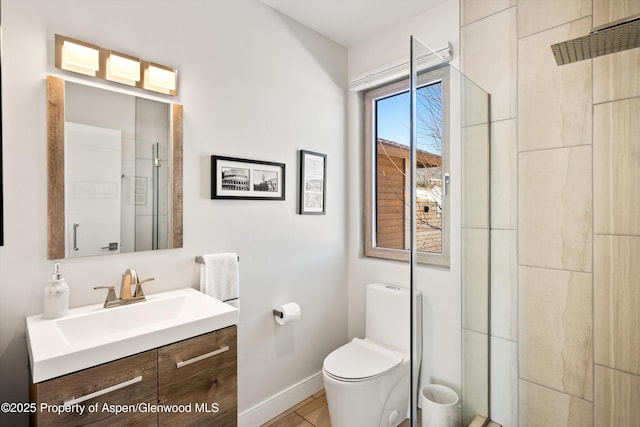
[311,412]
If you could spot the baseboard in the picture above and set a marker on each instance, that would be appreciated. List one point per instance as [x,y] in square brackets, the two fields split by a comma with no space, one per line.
[280,402]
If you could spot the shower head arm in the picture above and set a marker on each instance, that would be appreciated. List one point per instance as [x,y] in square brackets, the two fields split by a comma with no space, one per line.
[615,23]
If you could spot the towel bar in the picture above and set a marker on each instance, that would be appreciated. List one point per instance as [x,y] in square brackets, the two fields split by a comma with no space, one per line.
[200,260]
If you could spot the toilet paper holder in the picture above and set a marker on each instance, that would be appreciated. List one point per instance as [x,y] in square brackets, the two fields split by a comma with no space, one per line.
[286,313]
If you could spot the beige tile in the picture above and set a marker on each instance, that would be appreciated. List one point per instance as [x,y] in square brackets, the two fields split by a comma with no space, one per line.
[504,381]
[617,167]
[554,208]
[475,175]
[555,330]
[616,301]
[538,15]
[474,101]
[475,276]
[473,10]
[475,375]
[504,284]
[616,76]
[554,103]
[606,11]
[543,407]
[504,174]
[475,108]
[489,57]
[617,398]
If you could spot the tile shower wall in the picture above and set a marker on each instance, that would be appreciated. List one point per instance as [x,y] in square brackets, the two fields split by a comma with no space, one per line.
[616,227]
[565,193]
[489,43]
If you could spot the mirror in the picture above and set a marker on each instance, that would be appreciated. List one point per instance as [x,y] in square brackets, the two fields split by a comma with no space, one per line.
[115,171]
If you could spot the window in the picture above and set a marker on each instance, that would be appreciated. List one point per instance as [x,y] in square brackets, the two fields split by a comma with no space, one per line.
[387,170]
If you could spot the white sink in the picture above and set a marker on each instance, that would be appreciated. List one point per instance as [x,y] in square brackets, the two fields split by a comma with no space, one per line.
[103,323]
[93,335]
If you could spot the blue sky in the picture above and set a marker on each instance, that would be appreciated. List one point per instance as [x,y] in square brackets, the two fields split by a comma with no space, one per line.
[393,121]
[393,118]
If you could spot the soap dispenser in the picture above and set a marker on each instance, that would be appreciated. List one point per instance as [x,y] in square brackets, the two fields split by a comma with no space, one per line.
[56,296]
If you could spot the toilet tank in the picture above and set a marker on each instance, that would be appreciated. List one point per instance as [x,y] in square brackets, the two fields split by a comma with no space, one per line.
[387,316]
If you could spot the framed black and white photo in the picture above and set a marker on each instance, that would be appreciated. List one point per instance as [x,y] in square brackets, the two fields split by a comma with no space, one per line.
[233,178]
[313,178]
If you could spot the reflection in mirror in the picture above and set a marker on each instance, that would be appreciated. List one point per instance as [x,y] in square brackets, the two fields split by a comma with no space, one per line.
[115,172]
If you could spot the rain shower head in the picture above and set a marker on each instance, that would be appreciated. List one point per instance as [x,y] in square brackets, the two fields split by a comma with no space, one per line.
[603,40]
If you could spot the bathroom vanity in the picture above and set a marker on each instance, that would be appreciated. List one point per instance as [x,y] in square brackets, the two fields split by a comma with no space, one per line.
[171,385]
[96,367]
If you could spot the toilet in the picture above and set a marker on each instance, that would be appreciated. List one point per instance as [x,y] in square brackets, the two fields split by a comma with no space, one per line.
[367,380]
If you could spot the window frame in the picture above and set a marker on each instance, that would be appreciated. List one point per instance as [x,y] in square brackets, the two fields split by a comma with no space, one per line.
[370,170]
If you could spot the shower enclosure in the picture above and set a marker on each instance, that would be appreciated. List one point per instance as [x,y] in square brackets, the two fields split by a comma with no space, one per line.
[151,189]
[462,187]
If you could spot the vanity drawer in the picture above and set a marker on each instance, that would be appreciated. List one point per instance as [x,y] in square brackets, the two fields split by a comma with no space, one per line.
[128,381]
[201,374]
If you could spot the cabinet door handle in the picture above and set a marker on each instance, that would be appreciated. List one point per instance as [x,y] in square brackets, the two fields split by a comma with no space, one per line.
[204,356]
[104,391]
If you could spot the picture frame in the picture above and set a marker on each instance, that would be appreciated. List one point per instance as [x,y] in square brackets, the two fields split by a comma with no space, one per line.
[313,183]
[245,179]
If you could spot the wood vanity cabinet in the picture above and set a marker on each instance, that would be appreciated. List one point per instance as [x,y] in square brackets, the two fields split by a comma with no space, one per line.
[136,377]
[200,372]
[191,382]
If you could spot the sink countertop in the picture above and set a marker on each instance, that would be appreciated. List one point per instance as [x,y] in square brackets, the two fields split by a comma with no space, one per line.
[92,335]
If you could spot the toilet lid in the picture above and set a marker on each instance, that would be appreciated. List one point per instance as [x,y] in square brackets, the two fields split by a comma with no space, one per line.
[361,359]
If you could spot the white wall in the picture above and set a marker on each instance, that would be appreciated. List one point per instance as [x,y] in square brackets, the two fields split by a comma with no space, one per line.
[440,287]
[254,85]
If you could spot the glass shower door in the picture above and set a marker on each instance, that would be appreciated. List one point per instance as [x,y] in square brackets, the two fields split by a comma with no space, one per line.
[151,194]
[462,322]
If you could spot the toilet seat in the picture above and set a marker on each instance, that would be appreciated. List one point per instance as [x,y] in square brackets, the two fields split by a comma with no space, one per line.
[360,360]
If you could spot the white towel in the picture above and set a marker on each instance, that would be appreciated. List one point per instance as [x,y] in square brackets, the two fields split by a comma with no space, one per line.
[219,276]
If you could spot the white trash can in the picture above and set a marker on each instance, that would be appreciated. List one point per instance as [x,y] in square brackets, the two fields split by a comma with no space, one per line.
[439,406]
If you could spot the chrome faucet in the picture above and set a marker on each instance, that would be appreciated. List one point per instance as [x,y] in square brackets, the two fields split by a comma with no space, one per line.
[127,295]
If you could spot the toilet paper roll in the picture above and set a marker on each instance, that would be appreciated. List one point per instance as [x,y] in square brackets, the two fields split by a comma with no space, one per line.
[287,313]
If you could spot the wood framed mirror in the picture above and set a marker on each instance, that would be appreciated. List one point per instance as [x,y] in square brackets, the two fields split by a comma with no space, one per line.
[114,171]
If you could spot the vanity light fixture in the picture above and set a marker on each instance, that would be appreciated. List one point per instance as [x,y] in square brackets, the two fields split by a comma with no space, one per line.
[160,78]
[80,57]
[123,69]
